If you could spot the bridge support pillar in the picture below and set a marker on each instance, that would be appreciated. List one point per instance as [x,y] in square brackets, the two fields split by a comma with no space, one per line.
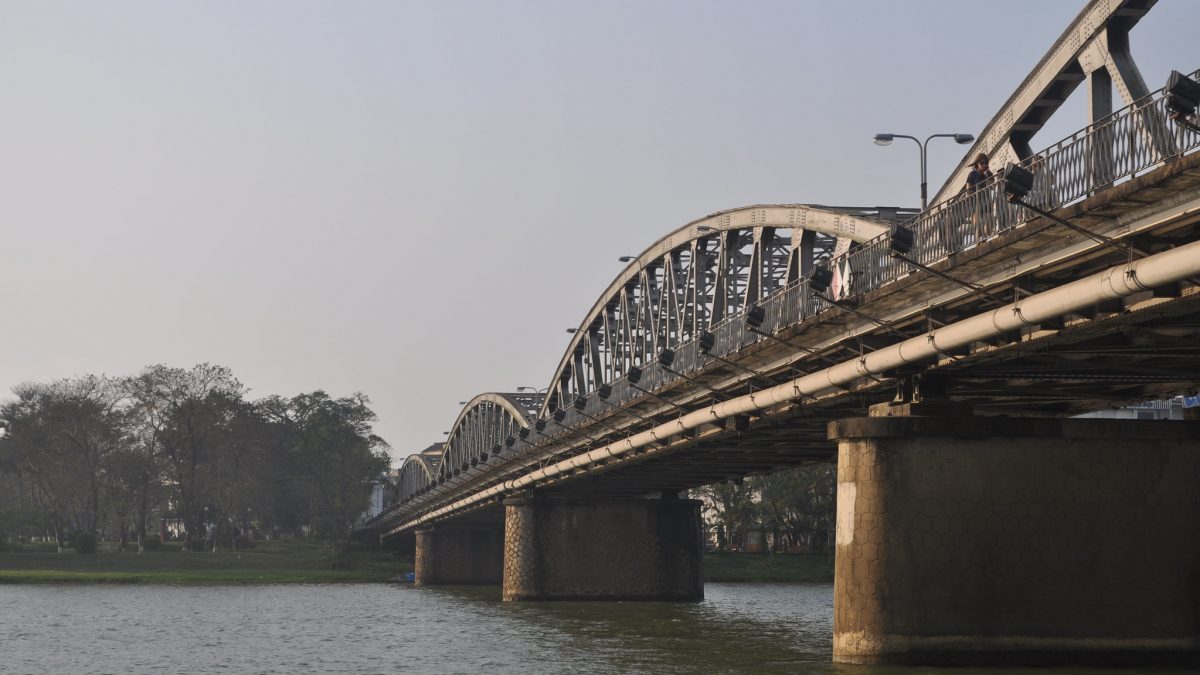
[449,555]
[627,549]
[988,539]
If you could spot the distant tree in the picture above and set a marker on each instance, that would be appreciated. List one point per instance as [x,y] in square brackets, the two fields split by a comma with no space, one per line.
[187,413]
[732,510]
[336,455]
[61,437]
[796,505]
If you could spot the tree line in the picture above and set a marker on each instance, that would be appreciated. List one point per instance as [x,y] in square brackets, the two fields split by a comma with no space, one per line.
[120,455]
[788,510]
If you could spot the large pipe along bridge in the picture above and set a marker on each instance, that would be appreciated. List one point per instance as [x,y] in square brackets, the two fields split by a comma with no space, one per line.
[936,356]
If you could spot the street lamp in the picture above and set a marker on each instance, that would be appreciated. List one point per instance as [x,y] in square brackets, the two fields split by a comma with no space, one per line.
[886,139]
[533,389]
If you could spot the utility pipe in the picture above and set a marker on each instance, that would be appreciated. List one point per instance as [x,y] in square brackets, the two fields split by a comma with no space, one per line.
[1122,281]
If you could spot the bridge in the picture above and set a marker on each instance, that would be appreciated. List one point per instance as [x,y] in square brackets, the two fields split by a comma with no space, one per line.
[937,356]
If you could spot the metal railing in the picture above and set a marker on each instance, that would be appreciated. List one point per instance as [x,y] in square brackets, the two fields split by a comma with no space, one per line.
[1132,140]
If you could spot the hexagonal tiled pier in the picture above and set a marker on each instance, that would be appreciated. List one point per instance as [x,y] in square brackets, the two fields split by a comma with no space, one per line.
[1007,539]
[603,549]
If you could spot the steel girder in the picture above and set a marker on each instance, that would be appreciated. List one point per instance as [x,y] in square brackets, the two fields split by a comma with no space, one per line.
[695,278]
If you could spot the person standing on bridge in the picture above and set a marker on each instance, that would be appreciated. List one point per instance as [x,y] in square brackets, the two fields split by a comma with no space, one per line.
[979,210]
[979,173]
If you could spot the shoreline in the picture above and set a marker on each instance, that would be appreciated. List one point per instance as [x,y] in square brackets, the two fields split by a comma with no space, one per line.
[300,562]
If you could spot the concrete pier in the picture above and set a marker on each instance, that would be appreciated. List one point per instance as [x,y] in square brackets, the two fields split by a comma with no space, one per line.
[988,540]
[452,555]
[628,549]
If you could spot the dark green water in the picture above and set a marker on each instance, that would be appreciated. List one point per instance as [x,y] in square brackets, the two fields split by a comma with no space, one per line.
[739,628]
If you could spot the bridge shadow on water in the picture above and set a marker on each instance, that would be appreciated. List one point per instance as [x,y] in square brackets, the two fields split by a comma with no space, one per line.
[737,628]
[760,628]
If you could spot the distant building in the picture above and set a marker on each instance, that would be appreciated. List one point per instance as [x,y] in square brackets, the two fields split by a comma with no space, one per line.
[1169,409]
[379,488]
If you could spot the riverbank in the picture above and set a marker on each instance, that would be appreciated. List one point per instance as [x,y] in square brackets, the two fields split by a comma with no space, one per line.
[760,568]
[299,562]
[272,562]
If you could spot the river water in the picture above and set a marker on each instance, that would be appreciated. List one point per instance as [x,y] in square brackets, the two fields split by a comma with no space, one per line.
[738,628]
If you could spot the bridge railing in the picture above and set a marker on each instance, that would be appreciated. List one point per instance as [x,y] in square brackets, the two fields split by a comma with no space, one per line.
[1132,140]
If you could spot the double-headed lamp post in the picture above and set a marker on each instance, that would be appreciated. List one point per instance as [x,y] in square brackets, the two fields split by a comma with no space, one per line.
[886,139]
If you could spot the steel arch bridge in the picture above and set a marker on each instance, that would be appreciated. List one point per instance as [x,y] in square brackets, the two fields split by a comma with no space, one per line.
[697,333]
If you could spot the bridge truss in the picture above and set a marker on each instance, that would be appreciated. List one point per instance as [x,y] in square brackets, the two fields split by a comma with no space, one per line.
[749,300]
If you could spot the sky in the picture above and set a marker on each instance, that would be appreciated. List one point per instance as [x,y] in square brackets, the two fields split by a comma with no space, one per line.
[414,200]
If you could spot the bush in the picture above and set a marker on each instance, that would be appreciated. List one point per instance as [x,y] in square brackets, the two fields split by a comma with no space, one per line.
[152,543]
[85,542]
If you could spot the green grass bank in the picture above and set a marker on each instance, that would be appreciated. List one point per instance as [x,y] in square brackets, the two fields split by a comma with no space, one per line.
[274,562]
[760,568]
[295,562]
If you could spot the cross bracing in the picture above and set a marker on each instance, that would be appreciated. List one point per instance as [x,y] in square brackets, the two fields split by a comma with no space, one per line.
[725,306]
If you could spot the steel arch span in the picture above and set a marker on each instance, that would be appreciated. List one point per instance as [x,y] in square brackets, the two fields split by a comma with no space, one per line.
[695,278]
[414,477]
[772,314]
[484,426]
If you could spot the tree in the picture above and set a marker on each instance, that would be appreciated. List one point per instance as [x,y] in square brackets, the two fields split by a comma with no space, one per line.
[61,436]
[337,455]
[184,412]
[732,506]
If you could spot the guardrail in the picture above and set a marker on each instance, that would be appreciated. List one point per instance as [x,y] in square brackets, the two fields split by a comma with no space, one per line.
[1132,140]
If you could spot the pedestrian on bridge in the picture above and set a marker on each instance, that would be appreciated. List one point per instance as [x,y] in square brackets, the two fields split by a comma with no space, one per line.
[979,210]
[979,173]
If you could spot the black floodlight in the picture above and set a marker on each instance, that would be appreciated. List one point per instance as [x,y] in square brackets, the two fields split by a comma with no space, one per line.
[666,357]
[604,391]
[509,442]
[820,280]
[580,402]
[523,433]
[706,341]
[634,375]
[1018,182]
[755,316]
[1183,95]
[540,425]
[560,415]
[901,240]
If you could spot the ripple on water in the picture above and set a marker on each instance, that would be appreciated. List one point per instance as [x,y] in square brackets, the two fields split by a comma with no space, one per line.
[749,628]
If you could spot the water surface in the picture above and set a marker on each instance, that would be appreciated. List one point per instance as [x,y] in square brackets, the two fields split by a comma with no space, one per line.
[738,628]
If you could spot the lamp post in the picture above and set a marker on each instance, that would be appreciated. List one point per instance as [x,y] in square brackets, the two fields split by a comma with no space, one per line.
[886,139]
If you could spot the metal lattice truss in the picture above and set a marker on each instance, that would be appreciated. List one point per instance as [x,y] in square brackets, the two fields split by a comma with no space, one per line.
[415,475]
[687,282]
[484,426]
[692,294]
[694,279]
[1095,49]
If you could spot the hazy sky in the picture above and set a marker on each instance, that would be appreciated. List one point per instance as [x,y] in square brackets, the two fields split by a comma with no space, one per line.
[415,199]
